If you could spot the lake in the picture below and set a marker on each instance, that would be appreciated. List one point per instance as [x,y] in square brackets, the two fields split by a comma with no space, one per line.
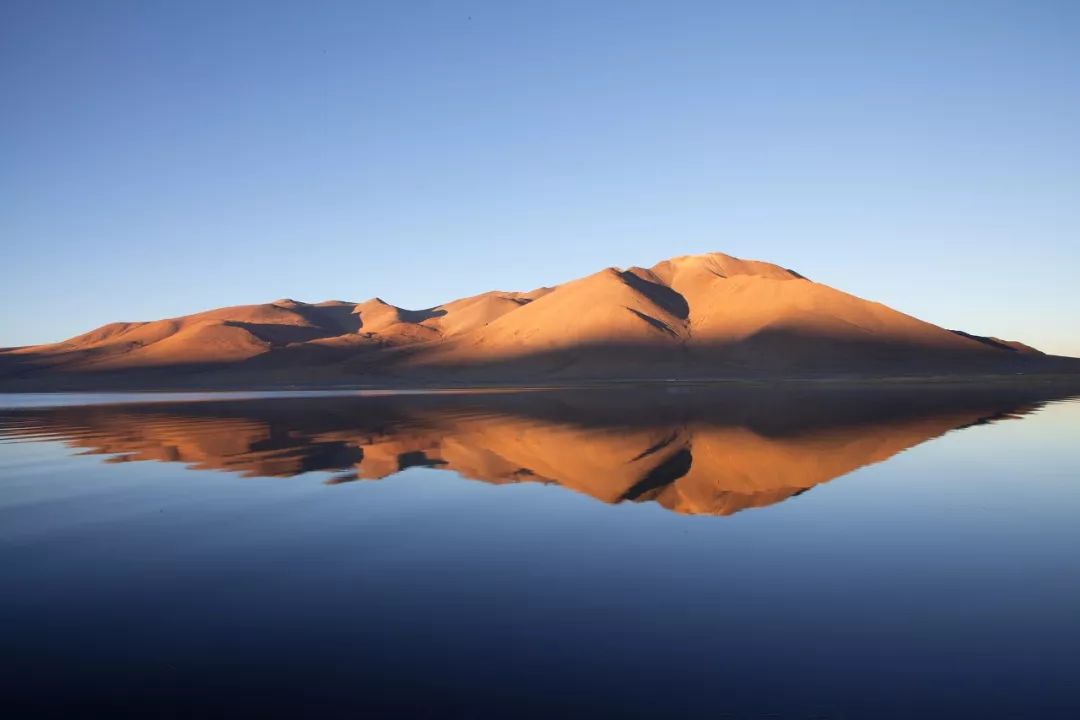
[788,551]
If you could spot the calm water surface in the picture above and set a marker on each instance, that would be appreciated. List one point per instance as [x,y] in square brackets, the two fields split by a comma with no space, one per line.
[664,552]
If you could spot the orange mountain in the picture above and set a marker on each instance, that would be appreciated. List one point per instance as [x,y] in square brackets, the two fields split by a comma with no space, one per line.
[702,316]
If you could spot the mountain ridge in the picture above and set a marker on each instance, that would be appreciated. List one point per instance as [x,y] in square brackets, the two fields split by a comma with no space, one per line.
[709,315]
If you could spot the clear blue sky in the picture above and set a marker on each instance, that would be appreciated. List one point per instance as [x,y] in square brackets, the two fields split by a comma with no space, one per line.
[159,158]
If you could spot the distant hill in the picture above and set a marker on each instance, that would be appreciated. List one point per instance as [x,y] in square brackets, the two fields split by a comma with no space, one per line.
[699,316]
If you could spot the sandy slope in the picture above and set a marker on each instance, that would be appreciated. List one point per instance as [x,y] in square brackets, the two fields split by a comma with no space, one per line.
[714,307]
[697,316]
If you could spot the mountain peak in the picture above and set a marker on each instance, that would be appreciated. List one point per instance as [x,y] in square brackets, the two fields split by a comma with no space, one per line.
[721,265]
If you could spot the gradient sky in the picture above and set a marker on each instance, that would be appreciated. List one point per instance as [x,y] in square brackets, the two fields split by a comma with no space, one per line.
[160,158]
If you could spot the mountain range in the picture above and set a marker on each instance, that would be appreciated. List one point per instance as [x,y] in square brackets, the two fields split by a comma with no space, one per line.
[690,317]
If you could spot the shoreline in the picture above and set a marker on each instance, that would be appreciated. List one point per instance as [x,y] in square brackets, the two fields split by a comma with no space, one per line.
[444,387]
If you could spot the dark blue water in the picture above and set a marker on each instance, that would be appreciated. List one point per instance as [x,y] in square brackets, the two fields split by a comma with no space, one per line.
[237,558]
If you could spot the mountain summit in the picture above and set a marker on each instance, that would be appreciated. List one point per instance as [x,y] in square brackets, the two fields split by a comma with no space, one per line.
[690,317]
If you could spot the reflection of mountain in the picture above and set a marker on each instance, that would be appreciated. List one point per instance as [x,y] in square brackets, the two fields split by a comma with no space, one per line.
[692,450]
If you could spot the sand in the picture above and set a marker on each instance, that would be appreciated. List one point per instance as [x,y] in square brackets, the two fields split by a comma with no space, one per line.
[699,316]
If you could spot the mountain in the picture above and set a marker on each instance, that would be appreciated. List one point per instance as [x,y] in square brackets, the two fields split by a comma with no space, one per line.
[699,316]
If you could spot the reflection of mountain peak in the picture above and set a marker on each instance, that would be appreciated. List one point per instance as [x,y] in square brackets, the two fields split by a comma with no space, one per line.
[709,452]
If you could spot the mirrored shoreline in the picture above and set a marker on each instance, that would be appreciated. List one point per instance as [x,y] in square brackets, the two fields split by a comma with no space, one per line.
[691,450]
